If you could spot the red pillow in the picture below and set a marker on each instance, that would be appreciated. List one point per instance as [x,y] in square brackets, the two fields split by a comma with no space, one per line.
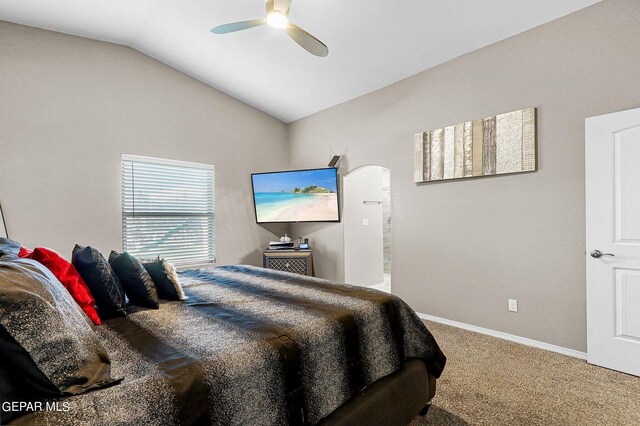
[68,276]
[24,252]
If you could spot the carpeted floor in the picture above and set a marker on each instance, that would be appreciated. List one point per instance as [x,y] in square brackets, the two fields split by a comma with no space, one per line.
[490,381]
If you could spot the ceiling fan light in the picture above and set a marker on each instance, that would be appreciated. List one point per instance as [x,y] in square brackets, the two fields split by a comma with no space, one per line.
[277,20]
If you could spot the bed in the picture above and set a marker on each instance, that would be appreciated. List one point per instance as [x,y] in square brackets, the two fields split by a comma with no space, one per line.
[261,347]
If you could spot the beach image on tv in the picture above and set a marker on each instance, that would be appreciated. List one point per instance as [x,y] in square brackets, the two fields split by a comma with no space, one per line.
[298,196]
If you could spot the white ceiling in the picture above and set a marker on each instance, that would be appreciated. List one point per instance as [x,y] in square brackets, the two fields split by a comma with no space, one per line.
[372,43]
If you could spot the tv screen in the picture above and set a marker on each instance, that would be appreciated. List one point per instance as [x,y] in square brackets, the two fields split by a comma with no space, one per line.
[296,196]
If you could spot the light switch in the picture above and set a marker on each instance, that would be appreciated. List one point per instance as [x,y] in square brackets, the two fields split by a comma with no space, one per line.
[365,222]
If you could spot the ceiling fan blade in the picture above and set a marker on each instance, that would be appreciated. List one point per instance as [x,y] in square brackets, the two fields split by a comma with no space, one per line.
[306,40]
[237,26]
[283,6]
[269,4]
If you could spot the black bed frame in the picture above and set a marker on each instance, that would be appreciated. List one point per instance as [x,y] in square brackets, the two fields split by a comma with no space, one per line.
[394,400]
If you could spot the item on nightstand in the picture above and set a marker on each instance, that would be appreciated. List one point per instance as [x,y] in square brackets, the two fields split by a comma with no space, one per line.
[302,243]
[285,239]
[284,245]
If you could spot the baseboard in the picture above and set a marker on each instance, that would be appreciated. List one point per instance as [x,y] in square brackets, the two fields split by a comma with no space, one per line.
[506,336]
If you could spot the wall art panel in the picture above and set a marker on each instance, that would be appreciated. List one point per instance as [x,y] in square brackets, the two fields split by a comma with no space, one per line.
[500,144]
[437,155]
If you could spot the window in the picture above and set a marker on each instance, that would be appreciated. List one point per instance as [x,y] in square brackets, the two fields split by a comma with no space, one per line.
[168,209]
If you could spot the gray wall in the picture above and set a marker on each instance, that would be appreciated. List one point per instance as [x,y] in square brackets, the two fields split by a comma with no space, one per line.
[69,107]
[461,249]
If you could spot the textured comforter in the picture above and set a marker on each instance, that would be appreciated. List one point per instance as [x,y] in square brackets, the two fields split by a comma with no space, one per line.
[249,346]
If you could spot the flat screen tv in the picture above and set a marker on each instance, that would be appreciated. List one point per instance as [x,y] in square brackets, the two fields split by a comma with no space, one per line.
[296,196]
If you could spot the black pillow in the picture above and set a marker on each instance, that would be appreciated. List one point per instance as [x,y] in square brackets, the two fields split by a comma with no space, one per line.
[136,281]
[47,347]
[165,278]
[101,280]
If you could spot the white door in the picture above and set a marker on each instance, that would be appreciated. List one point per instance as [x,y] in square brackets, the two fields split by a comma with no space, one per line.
[363,229]
[613,240]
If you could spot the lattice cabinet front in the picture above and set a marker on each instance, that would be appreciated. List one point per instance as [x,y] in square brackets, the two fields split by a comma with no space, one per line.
[298,262]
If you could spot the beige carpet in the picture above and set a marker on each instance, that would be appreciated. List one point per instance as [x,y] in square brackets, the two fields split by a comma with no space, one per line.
[490,381]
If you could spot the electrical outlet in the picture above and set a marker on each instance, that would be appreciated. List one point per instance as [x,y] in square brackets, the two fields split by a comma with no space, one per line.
[513,305]
[365,222]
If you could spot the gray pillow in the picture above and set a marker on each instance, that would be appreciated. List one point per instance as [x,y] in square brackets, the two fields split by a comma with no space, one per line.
[41,316]
[9,247]
[165,279]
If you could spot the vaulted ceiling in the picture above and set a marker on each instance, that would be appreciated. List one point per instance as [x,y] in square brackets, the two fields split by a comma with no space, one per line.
[372,43]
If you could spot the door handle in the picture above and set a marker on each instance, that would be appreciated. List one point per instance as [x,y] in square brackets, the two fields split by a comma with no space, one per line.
[596,254]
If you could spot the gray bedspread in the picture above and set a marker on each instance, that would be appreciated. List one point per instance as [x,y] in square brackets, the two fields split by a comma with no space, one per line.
[249,347]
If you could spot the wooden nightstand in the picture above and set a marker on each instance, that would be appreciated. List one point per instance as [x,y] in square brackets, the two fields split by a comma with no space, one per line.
[296,261]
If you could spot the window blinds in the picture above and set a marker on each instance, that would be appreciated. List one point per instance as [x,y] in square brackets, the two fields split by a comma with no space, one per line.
[168,210]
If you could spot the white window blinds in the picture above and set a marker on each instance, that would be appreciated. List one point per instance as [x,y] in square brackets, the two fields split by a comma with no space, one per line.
[168,210]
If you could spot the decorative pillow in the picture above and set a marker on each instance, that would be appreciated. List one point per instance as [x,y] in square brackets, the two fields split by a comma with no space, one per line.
[136,281]
[101,280]
[24,252]
[68,276]
[49,344]
[165,278]
[9,247]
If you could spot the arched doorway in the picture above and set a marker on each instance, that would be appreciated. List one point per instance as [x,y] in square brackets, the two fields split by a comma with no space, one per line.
[367,227]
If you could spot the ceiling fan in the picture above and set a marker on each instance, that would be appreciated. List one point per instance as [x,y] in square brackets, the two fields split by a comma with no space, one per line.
[278,17]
